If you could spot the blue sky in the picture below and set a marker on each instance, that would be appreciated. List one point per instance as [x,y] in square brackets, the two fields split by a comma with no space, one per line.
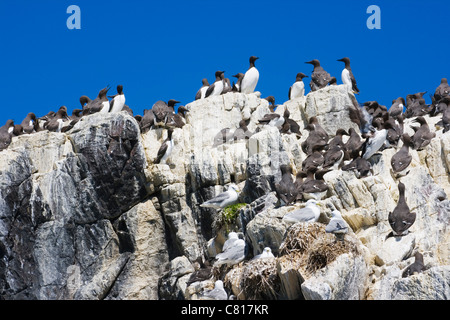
[161,50]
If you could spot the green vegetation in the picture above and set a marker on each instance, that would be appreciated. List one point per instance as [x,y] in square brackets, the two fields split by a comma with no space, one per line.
[230,213]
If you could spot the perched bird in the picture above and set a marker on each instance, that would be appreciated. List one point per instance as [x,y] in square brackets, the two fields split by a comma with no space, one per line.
[310,213]
[416,105]
[6,132]
[361,167]
[99,104]
[57,123]
[216,88]
[354,144]
[251,77]
[443,90]
[313,187]
[202,91]
[224,199]
[417,267]
[422,137]
[233,251]
[161,111]
[337,225]
[242,133]
[28,123]
[397,107]
[201,273]
[376,141]
[314,160]
[402,159]
[267,253]
[177,118]
[319,77]
[347,76]
[401,219]
[272,105]
[338,139]
[166,148]
[290,126]
[274,119]
[317,136]
[445,121]
[118,100]
[85,102]
[298,88]
[218,293]
[226,84]
[333,157]
[237,86]
[285,189]
[147,121]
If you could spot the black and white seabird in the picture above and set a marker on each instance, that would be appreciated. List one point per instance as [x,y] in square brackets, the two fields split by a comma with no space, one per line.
[6,132]
[17,130]
[354,144]
[314,160]
[226,84]
[317,136]
[402,159]
[285,189]
[377,140]
[147,121]
[290,126]
[297,90]
[251,77]
[397,107]
[118,100]
[216,88]
[242,133]
[445,121]
[347,76]
[416,267]
[361,167]
[85,102]
[443,90]
[422,137]
[416,105]
[274,119]
[319,77]
[162,111]
[57,123]
[177,118]
[202,91]
[99,104]
[401,219]
[28,123]
[237,86]
[313,187]
[334,157]
[166,148]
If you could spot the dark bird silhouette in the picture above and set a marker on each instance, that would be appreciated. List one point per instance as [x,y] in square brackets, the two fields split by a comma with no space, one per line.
[285,189]
[416,267]
[319,77]
[422,137]
[402,159]
[401,219]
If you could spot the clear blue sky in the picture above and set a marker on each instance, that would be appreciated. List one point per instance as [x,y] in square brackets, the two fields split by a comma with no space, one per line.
[161,50]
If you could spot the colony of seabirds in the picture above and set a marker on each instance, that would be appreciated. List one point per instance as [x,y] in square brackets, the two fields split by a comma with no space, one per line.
[380,128]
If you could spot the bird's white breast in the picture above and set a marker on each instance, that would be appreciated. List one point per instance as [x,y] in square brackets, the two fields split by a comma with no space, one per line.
[203,92]
[250,80]
[298,89]
[218,88]
[346,77]
[105,108]
[119,102]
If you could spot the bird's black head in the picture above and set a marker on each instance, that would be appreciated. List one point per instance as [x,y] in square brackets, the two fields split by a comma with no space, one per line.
[172,103]
[271,99]
[205,82]
[103,92]
[345,60]
[119,89]
[253,59]
[314,62]
[218,74]
[300,76]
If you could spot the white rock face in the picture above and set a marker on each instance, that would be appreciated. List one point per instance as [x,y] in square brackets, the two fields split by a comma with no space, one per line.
[87,214]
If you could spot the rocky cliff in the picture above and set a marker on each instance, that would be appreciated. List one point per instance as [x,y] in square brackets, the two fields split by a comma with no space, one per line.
[88,214]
